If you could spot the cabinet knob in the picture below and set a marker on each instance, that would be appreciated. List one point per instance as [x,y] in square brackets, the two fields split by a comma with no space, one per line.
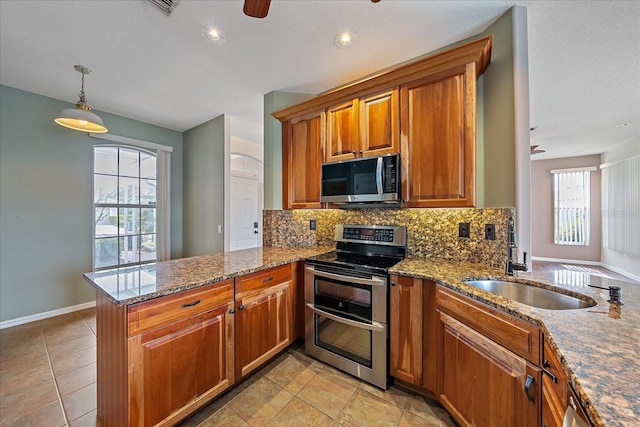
[353,152]
[393,283]
[241,307]
[232,311]
[360,151]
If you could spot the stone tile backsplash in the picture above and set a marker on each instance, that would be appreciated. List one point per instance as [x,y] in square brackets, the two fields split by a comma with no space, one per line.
[432,233]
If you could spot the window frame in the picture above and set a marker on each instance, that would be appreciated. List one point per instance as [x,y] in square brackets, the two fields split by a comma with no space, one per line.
[119,206]
[572,207]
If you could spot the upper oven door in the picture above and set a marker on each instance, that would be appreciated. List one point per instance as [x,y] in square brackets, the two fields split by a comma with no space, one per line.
[341,292]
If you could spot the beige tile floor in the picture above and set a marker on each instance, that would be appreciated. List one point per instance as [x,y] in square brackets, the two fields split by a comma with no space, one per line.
[48,378]
[295,390]
[48,372]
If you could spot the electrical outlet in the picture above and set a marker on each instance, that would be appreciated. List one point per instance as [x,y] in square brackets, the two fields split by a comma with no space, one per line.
[490,231]
[464,229]
[312,224]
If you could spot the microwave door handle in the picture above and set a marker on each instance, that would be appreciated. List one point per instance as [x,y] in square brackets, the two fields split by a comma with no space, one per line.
[345,278]
[374,326]
[379,175]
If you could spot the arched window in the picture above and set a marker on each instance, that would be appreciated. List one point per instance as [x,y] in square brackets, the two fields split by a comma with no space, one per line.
[124,201]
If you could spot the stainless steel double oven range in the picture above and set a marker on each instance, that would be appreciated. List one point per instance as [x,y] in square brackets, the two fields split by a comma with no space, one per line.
[347,300]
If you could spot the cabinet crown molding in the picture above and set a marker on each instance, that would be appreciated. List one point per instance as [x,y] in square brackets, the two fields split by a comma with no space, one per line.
[477,51]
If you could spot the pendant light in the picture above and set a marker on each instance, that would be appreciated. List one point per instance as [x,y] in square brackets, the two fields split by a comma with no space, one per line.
[81,118]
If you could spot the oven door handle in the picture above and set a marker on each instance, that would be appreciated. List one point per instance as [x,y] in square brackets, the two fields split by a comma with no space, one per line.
[345,278]
[374,326]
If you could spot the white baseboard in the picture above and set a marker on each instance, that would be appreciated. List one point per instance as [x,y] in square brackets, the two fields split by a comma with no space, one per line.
[624,273]
[46,315]
[566,261]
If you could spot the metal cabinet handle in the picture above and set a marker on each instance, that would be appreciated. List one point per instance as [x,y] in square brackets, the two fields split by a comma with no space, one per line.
[267,279]
[527,385]
[553,377]
[241,307]
[191,304]
[232,311]
[373,326]
[375,281]
[393,283]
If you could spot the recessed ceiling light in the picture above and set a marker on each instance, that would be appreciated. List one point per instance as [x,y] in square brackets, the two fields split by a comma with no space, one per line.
[621,125]
[344,39]
[213,34]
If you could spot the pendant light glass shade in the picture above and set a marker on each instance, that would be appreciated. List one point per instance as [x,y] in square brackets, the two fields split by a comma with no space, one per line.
[81,118]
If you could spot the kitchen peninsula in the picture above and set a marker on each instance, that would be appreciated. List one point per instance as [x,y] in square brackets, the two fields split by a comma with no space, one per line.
[597,347]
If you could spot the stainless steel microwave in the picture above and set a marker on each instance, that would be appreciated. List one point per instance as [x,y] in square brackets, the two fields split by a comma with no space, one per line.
[363,182]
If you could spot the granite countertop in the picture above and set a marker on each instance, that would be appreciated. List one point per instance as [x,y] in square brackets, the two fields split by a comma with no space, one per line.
[599,347]
[130,285]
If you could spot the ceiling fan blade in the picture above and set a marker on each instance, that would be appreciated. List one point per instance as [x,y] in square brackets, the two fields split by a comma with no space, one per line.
[256,8]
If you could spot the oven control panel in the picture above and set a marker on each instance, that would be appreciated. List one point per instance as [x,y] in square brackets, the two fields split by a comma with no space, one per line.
[371,233]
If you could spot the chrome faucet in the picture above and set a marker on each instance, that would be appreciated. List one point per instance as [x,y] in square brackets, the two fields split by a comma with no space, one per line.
[512,251]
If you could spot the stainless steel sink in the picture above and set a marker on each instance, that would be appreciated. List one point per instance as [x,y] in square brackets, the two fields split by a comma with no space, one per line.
[531,295]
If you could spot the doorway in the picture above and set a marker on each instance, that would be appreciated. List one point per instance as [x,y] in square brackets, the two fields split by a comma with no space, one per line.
[246,188]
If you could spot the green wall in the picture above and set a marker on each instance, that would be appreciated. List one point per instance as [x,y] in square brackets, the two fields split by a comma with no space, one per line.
[46,179]
[497,171]
[203,187]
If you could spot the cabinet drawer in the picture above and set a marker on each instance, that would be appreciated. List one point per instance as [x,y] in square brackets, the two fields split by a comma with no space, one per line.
[250,283]
[150,314]
[515,334]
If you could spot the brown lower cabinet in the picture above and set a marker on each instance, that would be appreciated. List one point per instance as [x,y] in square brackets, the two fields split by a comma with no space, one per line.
[482,364]
[486,367]
[160,360]
[483,383]
[182,364]
[557,394]
[263,327]
[412,326]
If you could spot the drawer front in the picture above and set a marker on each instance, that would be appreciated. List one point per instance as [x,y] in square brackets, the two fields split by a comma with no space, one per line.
[151,314]
[250,283]
[515,334]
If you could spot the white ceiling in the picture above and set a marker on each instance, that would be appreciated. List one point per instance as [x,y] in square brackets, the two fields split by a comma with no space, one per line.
[584,58]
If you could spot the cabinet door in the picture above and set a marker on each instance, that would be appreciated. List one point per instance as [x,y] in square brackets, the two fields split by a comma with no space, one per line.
[554,389]
[342,132]
[263,327]
[485,384]
[181,366]
[379,124]
[438,139]
[406,329]
[303,154]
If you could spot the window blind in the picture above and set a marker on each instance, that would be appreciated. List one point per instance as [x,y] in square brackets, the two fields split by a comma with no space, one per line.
[571,206]
[621,206]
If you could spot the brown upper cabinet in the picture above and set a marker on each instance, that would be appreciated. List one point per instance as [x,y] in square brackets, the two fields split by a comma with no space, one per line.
[342,131]
[303,154]
[363,127]
[438,144]
[426,110]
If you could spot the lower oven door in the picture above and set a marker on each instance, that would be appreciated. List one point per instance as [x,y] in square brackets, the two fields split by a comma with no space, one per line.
[337,327]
